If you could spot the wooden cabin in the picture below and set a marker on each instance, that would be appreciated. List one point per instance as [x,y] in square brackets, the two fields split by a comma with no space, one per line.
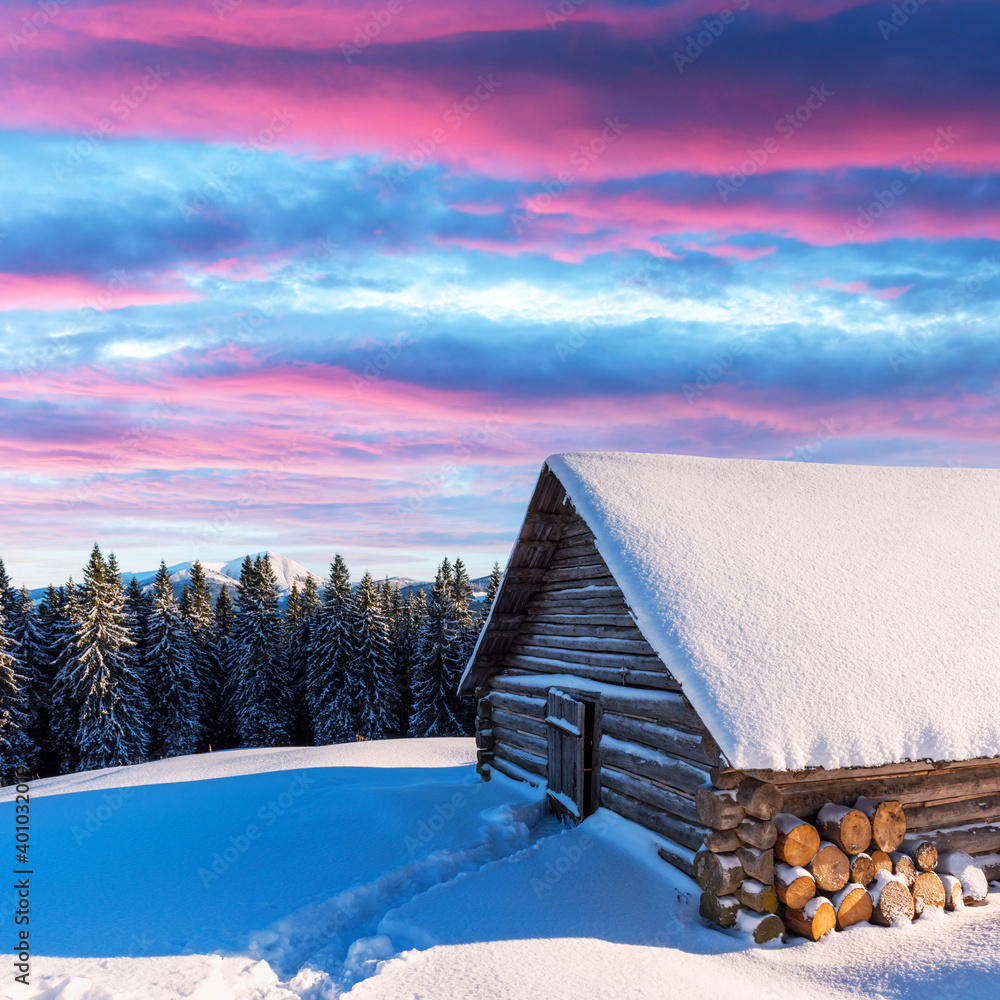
[669,628]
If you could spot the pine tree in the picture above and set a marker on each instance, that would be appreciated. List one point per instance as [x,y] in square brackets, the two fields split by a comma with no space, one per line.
[290,625]
[330,646]
[491,594]
[259,685]
[47,624]
[8,596]
[30,649]
[16,749]
[311,601]
[468,634]
[101,697]
[206,665]
[66,613]
[462,593]
[172,684]
[139,605]
[223,628]
[439,664]
[367,702]
[397,626]
[300,618]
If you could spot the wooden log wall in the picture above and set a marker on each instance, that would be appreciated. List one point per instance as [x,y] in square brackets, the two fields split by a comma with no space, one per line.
[649,753]
[577,622]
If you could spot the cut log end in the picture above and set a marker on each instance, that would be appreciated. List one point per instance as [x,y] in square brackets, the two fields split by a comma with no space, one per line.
[888,822]
[853,906]
[830,868]
[722,841]
[904,866]
[816,918]
[794,885]
[762,927]
[756,863]
[928,893]
[882,862]
[725,779]
[720,874]
[863,868]
[759,799]
[757,832]
[849,829]
[717,808]
[797,841]
[891,903]
[923,852]
[757,896]
[717,910]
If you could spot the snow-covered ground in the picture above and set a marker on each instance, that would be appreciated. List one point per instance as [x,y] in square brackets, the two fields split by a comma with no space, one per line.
[388,871]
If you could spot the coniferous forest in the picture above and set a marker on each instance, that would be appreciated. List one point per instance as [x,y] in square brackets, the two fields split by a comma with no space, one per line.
[101,674]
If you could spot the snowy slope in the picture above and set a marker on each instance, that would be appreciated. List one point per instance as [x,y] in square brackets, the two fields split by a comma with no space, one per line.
[388,871]
[793,601]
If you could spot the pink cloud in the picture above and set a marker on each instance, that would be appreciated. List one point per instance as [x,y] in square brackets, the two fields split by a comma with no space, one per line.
[319,25]
[53,292]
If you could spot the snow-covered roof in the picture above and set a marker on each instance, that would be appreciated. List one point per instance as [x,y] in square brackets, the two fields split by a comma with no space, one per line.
[815,615]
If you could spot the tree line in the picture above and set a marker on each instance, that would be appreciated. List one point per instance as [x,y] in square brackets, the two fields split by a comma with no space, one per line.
[103,674]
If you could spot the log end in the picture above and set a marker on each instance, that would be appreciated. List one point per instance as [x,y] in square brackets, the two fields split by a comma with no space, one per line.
[854,906]
[816,918]
[928,893]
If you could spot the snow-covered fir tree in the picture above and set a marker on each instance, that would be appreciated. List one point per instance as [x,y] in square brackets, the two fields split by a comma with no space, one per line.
[101,697]
[205,662]
[290,626]
[260,688]
[300,616]
[63,608]
[462,592]
[30,648]
[496,576]
[139,603]
[16,748]
[330,646]
[223,629]
[397,626]
[173,687]
[367,703]
[439,663]
[47,621]
[8,595]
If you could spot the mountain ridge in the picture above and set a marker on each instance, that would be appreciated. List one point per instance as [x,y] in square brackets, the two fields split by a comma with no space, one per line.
[286,570]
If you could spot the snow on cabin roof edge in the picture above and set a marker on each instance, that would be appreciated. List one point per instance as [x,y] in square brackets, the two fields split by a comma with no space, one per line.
[815,615]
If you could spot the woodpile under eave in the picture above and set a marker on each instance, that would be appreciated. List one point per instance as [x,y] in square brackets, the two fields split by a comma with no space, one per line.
[851,864]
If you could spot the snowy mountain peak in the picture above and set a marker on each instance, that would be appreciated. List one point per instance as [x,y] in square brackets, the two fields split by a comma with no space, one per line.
[227,574]
[287,571]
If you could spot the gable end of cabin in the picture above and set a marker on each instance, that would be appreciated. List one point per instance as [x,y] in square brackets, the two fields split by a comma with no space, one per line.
[573,698]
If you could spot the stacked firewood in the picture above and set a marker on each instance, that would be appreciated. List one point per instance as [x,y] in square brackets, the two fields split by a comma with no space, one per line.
[764,871]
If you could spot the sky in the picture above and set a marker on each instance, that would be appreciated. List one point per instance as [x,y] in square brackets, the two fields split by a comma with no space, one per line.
[329,277]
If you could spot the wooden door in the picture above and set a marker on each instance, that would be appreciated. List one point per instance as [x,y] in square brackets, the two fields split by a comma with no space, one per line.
[570,751]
